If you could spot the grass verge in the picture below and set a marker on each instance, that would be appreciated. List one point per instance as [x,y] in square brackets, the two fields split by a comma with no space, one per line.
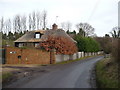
[107,74]
[6,76]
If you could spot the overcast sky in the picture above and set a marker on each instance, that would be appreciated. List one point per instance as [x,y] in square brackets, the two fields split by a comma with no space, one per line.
[101,14]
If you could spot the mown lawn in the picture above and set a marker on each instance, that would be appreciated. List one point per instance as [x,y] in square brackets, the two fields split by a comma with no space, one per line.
[107,74]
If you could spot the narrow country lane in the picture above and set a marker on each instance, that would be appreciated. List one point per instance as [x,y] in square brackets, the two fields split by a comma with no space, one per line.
[72,75]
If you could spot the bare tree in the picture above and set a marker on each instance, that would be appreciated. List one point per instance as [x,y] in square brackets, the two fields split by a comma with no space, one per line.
[87,28]
[5,29]
[14,25]
[17,23]
[39,20]
[68,25]
[33,20]
[7,26]
[30,22]
[44,17]
[23,23]
[115,32]
[1,24]
[63,25]
[36,20]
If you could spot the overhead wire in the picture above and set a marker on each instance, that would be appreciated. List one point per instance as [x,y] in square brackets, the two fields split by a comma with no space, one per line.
[94,10]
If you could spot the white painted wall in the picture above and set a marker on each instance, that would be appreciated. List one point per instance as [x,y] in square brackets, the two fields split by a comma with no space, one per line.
[61,57]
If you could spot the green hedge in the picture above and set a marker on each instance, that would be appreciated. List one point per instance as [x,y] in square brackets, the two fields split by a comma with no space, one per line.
[87,44]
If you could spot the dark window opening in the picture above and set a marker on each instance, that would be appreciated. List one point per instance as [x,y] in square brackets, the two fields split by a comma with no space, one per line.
[37,35]
[19,57]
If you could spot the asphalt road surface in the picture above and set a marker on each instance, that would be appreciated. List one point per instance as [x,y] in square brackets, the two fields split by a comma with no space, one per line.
[72,75]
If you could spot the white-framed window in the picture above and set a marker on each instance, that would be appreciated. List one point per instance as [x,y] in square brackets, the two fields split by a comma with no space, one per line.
[20,44]
[37,44]
[37,35]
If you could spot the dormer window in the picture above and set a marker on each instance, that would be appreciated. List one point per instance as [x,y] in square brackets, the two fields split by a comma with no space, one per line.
[37,35]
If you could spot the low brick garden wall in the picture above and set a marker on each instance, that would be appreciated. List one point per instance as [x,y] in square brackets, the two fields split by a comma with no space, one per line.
[26,56]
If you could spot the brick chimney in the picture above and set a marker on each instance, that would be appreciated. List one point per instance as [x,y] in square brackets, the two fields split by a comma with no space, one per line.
[54,27]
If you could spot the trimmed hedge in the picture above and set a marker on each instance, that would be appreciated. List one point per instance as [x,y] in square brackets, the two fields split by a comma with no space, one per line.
[87,44]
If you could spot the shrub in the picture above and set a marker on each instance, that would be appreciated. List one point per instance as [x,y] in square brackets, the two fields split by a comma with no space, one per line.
[87,44]
[115,49]
[62,45]
[105,44]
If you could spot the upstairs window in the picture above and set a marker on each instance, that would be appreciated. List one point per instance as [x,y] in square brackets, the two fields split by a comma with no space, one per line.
[37,35]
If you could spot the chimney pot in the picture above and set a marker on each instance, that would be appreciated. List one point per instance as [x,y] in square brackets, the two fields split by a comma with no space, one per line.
[54,27]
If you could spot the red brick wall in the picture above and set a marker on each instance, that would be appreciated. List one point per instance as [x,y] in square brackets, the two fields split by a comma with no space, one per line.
[28,56]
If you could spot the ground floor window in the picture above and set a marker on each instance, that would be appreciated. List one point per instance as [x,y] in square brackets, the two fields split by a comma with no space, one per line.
[37,44]
[21,44]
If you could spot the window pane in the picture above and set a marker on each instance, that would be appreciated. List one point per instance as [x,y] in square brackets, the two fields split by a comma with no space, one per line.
[37,35]
[36,44]
[20,44]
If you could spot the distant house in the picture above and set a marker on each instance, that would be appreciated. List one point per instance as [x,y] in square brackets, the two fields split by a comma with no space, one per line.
[33,38]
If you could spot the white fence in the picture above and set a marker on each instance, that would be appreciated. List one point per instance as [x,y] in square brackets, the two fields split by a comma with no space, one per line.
[62,57]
